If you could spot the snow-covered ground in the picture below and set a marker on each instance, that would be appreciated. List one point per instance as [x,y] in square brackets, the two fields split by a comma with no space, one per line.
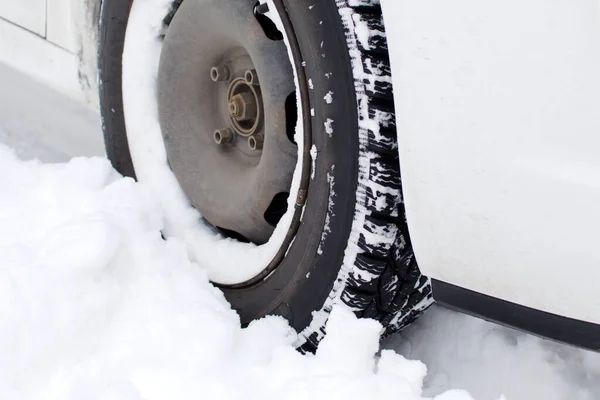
[93,304]
[38,122]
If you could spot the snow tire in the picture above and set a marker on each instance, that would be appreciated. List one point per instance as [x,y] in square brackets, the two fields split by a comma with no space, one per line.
[384,282]
[353,247]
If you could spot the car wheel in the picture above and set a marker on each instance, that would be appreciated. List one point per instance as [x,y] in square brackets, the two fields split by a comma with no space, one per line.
[267,133]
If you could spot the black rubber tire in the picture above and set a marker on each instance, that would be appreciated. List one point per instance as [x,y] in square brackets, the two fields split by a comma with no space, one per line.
[354,203]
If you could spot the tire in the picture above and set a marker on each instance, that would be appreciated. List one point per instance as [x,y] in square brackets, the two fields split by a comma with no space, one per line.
[352,246]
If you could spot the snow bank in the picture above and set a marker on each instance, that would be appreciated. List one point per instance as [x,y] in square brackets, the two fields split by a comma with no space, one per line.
[95,305]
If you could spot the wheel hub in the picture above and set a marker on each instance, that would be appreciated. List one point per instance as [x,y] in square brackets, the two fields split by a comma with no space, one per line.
[244,102]
[222,94]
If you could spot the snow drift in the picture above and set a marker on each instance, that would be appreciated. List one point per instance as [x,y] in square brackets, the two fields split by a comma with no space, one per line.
[94,304]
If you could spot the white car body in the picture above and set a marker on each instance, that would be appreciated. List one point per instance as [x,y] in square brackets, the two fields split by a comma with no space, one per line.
[498,115]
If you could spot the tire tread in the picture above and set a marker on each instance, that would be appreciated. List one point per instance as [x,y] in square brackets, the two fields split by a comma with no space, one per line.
[385,282]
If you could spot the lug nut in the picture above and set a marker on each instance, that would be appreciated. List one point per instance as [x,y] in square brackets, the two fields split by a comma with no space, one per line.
[255,142]
[220,74]
[242,107]
[223,136]
[250,77]
[234,108]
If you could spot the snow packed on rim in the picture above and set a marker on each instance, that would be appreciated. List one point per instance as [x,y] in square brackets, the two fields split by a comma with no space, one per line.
[94,304]
[227,261]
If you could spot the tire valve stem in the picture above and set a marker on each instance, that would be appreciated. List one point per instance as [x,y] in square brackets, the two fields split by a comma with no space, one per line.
[255,142]
[262,8]
[223,136]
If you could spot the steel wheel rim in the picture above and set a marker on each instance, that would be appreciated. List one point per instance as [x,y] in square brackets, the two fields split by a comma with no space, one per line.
[253,165]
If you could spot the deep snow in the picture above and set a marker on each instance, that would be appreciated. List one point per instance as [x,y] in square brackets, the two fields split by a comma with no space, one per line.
[76,323]
[95,304]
